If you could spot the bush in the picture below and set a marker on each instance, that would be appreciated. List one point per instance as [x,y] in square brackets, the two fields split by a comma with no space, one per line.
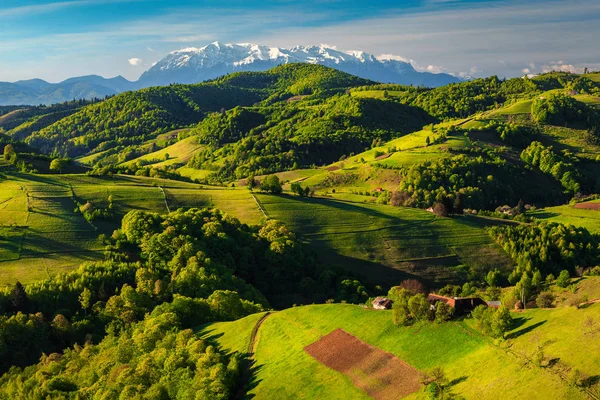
[544,300]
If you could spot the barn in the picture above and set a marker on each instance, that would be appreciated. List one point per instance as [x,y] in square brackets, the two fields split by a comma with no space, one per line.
[461,305]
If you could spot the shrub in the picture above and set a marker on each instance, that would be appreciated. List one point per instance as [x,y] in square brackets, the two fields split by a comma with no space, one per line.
[544,300]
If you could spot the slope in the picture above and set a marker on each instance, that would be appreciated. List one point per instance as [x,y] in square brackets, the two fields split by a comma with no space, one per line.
[284,370]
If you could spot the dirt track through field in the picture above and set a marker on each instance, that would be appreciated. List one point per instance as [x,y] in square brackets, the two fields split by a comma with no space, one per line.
[381,375]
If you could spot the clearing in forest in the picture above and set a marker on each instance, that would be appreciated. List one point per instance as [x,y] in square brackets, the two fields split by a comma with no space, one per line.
[380,374]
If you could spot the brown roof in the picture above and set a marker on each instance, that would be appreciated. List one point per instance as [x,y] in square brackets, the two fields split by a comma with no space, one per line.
[434,298]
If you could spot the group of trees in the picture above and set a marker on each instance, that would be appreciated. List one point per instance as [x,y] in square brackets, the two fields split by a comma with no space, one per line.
[157,358]
[410,304]
[561,167]
[483,181]
[547,248]
[201,265]
[267,139]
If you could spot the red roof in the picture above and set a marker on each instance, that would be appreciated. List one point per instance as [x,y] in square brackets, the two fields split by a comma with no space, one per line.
[434,298]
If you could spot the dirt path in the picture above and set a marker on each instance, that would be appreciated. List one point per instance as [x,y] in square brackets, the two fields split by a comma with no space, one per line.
[247,374]
[252,345]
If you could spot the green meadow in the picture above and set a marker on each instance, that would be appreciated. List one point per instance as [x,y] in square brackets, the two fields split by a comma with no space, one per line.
[475,366]
[41,234]
[382,243]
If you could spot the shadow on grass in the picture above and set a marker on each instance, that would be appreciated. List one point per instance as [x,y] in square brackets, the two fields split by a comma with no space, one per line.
[456,381]
[249,368]
[525,330]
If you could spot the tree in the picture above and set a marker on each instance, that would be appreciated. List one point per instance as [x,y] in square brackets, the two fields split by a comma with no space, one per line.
[523,288]
[418,306]
[501,322]
[413,286]
[85,299]
[439,208]
[18,298]
[564,279]
[271,184]
[57,165]
[427,141]
[9,153]
[537,280]
[297,188]
[251,182]
[493,278]
[443,312]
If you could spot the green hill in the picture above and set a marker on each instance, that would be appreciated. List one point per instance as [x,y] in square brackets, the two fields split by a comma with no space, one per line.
[283,369]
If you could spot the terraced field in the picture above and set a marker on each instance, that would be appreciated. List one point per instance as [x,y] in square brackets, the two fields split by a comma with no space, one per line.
[387,244]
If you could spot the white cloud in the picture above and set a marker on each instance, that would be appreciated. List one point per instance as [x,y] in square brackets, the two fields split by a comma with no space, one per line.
[526,70]
[135,61]
[561,66]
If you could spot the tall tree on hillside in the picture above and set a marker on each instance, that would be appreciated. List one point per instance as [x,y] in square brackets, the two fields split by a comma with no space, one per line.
[9,152]
[18,298]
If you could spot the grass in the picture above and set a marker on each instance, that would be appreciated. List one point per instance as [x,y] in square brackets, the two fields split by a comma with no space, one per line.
[561,332]
[387,244]
[520,107]
[378,94]
[567,214]
[41,235]
[240,342]
[178,153]
[476,368]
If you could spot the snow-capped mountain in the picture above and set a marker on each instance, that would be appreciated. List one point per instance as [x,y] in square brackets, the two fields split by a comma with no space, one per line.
[191,65]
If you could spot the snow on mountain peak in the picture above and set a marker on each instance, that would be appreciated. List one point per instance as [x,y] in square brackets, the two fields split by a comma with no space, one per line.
[194,64]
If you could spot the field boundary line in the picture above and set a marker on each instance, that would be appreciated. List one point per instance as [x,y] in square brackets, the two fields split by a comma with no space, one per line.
[260,207]
[165,198]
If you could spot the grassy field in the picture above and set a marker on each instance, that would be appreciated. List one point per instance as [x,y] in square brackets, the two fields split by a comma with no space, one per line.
[475,367]
[41,234]
[178,153]
[567,214]
[520,107]
[387,244]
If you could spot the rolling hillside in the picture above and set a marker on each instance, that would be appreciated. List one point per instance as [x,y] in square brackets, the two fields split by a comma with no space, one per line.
[471,361]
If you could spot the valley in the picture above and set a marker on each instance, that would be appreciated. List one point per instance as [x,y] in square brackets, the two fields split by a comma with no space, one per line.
[237,238]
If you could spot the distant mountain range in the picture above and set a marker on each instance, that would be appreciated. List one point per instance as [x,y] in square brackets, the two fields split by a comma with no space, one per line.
[193,65]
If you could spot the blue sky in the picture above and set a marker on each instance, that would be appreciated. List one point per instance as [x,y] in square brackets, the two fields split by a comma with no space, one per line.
[54,40]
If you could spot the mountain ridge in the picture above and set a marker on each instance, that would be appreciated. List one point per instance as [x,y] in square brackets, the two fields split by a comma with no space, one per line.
[195,65]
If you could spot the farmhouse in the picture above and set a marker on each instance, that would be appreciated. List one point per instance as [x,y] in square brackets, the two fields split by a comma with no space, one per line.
[382,303]
[461,305]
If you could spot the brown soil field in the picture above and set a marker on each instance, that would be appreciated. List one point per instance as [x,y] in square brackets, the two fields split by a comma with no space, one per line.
[588,206]
[381,375]
[333,168]
[383,156]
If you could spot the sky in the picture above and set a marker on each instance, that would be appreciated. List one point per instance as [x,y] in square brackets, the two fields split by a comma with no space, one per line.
[55,40]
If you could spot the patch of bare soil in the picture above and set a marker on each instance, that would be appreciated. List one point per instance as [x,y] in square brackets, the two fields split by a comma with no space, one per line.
[381,375]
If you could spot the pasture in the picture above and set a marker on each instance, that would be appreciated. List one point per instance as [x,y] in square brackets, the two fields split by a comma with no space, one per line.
[41,234]
[475,367]
[381,243]
[178,153]
[573,214]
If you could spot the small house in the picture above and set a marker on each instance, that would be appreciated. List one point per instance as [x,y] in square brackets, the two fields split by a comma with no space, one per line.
[382,303]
